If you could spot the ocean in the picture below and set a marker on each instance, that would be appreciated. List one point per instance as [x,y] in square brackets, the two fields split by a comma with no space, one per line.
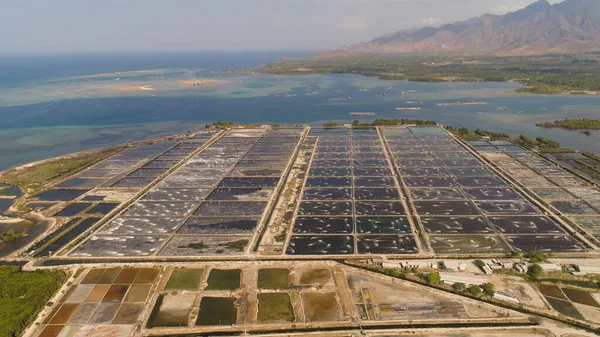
[56,104]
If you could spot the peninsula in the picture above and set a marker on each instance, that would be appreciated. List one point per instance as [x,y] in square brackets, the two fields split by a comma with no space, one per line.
[573,124]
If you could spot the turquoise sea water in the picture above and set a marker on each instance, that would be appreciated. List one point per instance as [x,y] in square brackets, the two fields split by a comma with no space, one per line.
[56,104]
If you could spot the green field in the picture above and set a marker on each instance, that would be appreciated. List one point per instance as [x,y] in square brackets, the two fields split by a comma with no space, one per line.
[275,307]
[315,276]
[273,278]
[35,176]
[184,279]
[224,279]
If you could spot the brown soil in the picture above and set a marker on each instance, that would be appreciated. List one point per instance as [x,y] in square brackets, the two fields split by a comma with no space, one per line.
[315,276]
[97,293]
[127,276]
[104,313]
[115,293]
[146,276]
[138,293]
[321,306]
[128,314]
[51,331]
[109,276]
[92,276]
[64,313]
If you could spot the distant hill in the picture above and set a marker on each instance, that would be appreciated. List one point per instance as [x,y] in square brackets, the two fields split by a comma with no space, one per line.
[540,28]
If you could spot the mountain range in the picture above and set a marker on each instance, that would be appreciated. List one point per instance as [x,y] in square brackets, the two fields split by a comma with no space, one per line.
[540,28]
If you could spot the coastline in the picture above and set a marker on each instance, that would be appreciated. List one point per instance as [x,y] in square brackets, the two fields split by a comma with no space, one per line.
[524,90]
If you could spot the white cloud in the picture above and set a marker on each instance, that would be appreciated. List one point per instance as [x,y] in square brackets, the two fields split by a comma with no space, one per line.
[430,21]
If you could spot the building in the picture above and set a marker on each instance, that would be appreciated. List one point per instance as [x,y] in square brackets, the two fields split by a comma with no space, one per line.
[548,266]
[468,279]
[455,265]
[420,264]
[391,265]
[507,264]
[487,269]
[521,267]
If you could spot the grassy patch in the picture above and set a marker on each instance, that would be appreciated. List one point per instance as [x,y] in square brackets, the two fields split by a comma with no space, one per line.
[551,290]
[582,297]
[184,279]
[315,276]
[35,176]
[224,279]
[273,278]
[321,307]
[275,307]
[23,295]
[577,283]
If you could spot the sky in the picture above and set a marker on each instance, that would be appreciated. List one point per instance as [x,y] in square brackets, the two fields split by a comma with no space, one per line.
[164,25]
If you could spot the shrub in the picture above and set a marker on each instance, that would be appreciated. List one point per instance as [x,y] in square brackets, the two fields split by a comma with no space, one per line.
[535,271]
[475,291]
[433,278]
[488,288]
[536,256]
[459,286]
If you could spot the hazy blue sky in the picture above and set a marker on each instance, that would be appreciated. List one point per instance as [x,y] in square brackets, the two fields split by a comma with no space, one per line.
[81,25]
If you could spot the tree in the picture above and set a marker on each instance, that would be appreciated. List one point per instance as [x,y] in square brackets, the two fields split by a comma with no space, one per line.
[459,286]
[514,253]
[23,295]
[475,291]
[393,272]
[433,278]
[480,263]
[276,125]
[488,288]
[9,235]
[535,271]
[536,256]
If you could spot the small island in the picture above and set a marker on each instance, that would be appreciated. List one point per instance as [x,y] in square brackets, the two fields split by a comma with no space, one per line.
[573,124]
[461,103]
